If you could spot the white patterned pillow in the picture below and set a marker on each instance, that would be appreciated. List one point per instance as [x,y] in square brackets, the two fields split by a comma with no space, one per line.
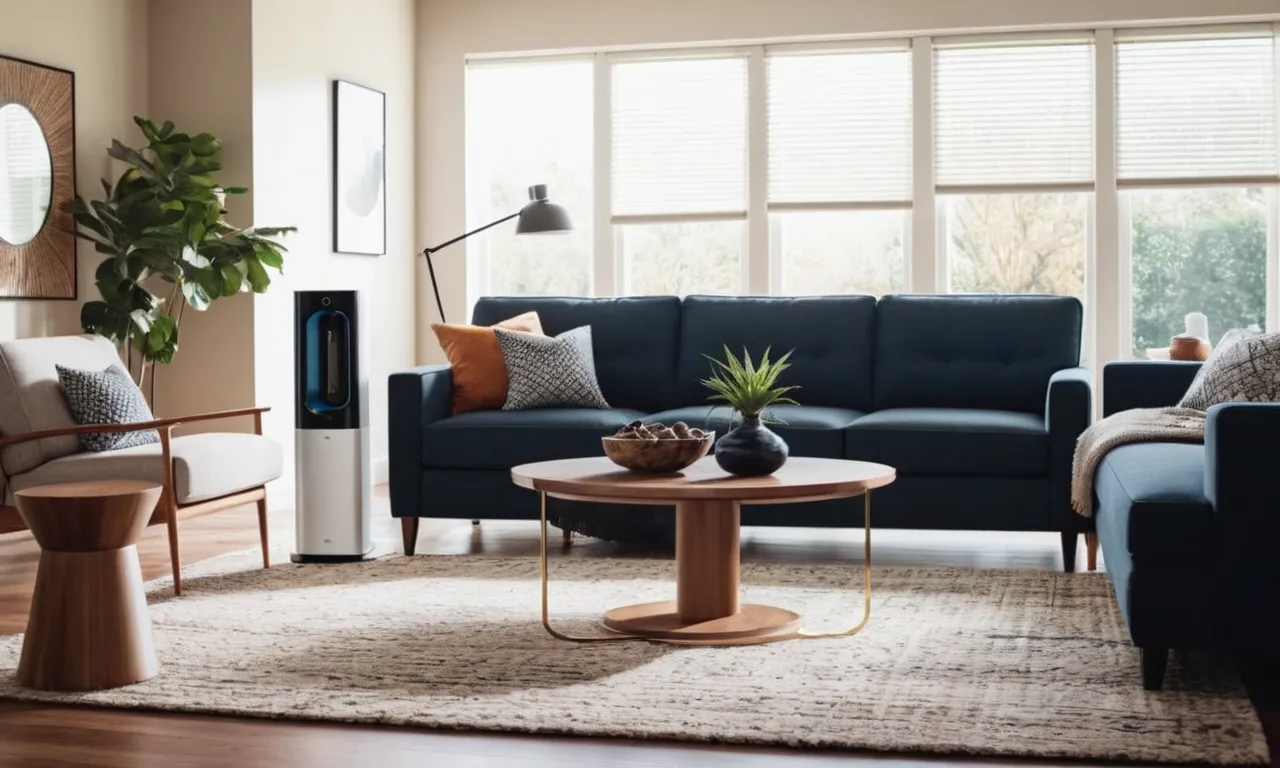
[546,372]
[1247,371]
[106,397]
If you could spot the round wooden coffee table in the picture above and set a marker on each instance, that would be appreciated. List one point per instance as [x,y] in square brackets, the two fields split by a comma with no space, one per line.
[707,609]
[89,627]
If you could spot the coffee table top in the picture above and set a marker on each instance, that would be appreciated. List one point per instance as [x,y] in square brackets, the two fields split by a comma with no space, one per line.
[78,489]
[800,479]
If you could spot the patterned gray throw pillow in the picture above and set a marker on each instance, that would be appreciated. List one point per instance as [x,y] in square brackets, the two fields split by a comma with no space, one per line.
[106,397]
[546,372]
[1247,371]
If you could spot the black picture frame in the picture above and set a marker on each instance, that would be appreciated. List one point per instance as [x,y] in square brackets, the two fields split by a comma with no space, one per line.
[359,169]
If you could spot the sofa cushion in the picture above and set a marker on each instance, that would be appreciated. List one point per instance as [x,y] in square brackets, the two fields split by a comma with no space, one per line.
[1151,499]
[951,441]
[31,397]
[634,340]
[503,439]
[810,430]
[831,336]
[205,466]
[973,351]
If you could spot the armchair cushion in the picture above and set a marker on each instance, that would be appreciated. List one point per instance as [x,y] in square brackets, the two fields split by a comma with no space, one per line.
[205,466]
[31,396]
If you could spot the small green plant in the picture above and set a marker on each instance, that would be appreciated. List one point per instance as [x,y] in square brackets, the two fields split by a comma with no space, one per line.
[746,387]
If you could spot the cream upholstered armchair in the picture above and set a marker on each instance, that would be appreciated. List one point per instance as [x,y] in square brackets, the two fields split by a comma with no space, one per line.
[40,444]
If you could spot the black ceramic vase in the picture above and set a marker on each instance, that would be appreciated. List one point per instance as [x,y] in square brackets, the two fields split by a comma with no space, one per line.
[751,449]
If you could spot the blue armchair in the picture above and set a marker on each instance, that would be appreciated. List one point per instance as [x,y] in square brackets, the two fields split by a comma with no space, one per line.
[1189,531]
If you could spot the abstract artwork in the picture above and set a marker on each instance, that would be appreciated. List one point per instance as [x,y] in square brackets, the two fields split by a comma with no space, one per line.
[359,169]
[37,177]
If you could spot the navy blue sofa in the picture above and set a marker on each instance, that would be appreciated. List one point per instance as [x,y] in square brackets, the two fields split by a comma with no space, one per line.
[1188,532]
[976,400]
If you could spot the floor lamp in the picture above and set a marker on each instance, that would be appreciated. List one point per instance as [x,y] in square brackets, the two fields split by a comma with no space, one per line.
[537,217]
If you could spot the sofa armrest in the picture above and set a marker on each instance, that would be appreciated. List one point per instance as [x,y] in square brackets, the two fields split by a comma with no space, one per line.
[415,398]
[1131,384]
[1068,411]
[1242,450]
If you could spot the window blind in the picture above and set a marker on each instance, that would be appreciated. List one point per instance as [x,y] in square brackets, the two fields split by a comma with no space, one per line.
[840,127]
[679,136]
[1013,116]
[1196,110]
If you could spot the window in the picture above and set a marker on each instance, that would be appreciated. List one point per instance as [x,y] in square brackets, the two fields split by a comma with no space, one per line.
[1195,140]
[841,251]
[529,123]
[840,169]
[1197,250]
[1014,155]
[1030,242]
[1017,114]
[679,191]
[1196,109]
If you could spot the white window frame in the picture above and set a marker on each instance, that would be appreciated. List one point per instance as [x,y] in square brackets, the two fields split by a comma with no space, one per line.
[1108,258]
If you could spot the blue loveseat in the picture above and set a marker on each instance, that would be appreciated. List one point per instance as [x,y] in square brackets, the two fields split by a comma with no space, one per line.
[976,400]
[1188,532]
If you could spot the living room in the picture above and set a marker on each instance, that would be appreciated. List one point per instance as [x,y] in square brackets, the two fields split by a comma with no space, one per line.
[655,384]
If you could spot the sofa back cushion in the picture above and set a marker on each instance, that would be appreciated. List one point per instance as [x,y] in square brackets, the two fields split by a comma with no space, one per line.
[831,336]
[633,338]
[973,351]
[31,396]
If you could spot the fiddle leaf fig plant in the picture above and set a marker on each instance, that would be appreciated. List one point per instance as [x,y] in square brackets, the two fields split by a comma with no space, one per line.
[166,243]
[747,387]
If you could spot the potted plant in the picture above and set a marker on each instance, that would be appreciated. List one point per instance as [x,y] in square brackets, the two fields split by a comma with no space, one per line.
[162,227]
[750,448]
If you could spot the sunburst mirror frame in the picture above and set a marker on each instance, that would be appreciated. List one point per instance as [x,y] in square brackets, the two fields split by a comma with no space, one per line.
[45,266]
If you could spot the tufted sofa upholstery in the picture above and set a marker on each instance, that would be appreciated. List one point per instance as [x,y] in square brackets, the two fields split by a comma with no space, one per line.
[977,400]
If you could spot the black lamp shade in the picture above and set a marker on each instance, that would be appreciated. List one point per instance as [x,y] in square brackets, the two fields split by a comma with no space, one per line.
[541,217]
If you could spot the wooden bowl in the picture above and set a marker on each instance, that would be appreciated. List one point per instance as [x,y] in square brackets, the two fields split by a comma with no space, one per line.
[657,456]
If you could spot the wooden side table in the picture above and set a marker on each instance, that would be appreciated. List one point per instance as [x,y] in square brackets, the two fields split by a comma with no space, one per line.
[89,627]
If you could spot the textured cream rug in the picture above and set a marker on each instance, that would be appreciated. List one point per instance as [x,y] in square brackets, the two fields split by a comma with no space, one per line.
[965,661]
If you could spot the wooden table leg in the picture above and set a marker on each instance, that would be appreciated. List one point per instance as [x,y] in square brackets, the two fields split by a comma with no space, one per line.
[706,610]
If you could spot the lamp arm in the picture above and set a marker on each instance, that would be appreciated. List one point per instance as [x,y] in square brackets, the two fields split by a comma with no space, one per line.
[459,238]
[426,252]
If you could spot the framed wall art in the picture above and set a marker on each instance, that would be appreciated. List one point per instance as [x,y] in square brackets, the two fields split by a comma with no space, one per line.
[359,169]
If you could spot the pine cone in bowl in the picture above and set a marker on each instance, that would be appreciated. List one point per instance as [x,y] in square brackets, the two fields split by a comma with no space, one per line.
[657,448]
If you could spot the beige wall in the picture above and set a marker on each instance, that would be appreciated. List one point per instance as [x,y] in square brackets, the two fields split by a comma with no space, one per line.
[105,44]
[299,48]
[208,88]
[450,29]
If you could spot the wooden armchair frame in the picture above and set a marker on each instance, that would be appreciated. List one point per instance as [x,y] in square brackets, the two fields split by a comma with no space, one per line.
[168,510]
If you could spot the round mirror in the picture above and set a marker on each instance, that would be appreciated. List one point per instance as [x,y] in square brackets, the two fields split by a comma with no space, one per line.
[26,175]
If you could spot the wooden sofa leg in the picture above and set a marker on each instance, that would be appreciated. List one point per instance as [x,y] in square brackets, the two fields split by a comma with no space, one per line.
[1069,541]
[262,532]
[1154,663]
[409,532]
[1091,550]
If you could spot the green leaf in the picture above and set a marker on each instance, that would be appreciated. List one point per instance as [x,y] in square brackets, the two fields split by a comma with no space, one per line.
[259,280]
[235,190]
[270,258]
[232,279]
[205,145]
[166,129]
[196,295]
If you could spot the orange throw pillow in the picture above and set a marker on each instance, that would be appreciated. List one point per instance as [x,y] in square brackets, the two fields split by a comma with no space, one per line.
[479,373]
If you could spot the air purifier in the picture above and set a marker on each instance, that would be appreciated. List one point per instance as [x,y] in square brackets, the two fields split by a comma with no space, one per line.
[332,469]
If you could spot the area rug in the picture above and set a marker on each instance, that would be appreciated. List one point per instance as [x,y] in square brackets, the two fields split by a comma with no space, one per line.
[1019,663]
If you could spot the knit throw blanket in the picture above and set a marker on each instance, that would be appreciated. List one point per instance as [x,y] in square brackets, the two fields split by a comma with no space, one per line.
[1140,425]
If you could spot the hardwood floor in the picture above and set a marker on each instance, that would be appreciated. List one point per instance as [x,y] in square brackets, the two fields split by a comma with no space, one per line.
[49,736]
